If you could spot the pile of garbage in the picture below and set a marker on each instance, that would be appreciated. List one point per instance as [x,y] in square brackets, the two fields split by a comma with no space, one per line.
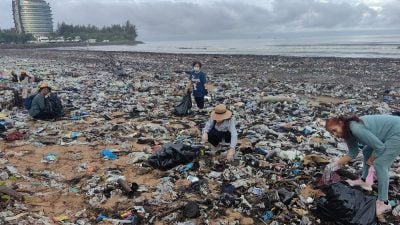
[119,156]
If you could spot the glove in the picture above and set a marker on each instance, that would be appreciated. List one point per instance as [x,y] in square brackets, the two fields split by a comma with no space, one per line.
[204,138]
[189,86]
[332,167]
[186,167]
[230,154]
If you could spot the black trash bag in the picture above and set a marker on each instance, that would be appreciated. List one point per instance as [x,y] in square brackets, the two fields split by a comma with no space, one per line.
[172,155]
[2,129]
[183,109]
[228,200]
[191,210]
[346,206]
[56,107]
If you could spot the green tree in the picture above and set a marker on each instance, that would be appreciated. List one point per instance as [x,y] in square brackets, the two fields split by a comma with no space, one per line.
[116,32]
[11,36]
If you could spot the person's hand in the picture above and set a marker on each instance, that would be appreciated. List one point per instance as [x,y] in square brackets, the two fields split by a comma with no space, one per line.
[230,154]
[371,160]
[204,138]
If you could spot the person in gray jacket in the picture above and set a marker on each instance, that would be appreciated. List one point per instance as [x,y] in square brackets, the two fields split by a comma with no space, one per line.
[45,105]
[221,127]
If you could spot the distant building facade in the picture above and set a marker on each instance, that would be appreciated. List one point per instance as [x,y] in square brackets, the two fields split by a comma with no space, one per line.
[32,17]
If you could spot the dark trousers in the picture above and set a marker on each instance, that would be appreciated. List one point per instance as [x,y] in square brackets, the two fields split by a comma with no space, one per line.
[44,116]
[199,102]
[215,137]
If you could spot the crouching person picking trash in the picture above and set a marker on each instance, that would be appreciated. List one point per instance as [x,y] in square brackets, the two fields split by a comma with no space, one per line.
[380,135]
[45,104]
[219,128]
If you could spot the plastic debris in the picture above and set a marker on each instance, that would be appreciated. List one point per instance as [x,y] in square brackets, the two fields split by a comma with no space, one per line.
[108,154]
[282,148]
[50,158]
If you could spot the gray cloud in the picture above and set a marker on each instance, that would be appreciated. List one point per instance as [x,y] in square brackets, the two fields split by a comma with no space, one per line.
[391,13]
[226,18]
[5,14]
[315,14]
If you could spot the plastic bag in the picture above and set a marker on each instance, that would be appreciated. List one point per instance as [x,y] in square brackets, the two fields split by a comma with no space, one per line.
[108,154]
[172,155]
[183,109]
[2,129]
[345,205]
[16,135]
[56,109]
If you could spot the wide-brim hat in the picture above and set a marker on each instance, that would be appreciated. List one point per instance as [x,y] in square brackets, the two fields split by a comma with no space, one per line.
[220,112]
[44,85]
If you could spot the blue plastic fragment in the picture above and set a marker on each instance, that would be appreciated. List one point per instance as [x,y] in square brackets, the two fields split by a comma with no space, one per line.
[108,154]
[187,167]
[267,215]
[100,218]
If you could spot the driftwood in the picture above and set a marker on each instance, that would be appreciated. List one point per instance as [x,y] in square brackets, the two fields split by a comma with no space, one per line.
[11,192]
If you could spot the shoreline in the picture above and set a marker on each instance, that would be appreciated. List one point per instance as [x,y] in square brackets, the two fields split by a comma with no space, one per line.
[223,55]
[60,45]
[329,58]
[65,46]
[227,54]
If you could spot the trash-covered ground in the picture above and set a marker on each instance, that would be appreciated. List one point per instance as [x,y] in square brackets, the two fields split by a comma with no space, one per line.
[90,167]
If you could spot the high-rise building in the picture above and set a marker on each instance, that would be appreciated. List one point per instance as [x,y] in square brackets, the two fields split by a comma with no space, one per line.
[32,17]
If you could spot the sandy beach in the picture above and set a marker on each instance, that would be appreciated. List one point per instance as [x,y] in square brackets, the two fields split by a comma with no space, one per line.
[118,112]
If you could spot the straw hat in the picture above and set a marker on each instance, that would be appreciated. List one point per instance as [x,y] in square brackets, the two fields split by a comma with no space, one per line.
[44,85]
[220,112]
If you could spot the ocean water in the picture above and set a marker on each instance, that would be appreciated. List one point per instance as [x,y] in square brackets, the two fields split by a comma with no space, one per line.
[369,46]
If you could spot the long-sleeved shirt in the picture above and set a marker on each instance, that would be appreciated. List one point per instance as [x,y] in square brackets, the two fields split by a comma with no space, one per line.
[226,125]
[199,80]
[373,131]
[38,105]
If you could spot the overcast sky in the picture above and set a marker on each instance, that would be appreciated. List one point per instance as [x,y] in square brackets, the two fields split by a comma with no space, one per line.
[201,19]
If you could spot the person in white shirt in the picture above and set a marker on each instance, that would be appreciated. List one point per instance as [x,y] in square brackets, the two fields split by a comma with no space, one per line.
[221,126]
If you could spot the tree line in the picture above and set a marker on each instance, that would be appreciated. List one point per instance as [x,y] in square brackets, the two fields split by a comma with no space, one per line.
[125,32]
[11,36]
